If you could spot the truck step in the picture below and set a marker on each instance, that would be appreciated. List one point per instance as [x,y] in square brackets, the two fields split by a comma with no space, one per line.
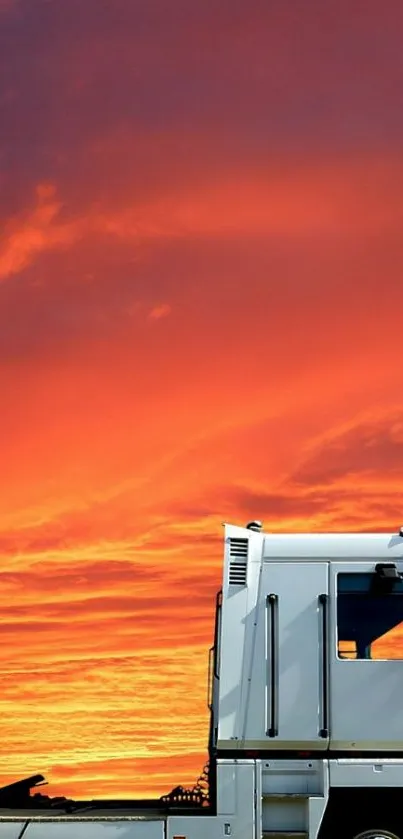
[287,795]
[284,834]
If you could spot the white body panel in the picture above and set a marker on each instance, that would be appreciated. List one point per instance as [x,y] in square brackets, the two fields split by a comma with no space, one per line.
[11,830]
[280,683]
[364,773]
[236,807]
[298,648]
[379,547]
[95,830]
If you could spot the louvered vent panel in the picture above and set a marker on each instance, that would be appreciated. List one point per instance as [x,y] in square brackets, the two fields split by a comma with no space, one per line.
[238,562]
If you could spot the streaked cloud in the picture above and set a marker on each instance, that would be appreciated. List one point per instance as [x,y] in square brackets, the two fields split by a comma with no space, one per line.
[305,202]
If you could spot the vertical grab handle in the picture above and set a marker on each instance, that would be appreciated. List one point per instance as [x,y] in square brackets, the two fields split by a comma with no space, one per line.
[323,605]
[272,605]
[210,678]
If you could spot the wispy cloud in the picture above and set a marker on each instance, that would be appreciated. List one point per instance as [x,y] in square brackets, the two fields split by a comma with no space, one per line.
[38,231]
[161,311]
[303,202]
[370,447]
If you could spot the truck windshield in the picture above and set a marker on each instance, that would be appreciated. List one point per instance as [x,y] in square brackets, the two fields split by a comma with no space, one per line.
[369,622]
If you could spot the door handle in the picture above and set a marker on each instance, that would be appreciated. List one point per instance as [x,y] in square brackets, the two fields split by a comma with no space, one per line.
[323,600]
[272,606]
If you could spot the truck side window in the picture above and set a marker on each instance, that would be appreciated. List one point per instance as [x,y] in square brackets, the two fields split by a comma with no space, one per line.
[369,623]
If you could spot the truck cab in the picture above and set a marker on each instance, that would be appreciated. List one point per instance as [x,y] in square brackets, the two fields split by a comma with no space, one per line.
[309,677]
[311,651]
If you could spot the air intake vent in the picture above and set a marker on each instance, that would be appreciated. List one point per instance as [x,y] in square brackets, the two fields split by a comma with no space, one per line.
[238,561]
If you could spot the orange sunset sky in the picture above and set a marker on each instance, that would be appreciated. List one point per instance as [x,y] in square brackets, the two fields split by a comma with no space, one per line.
[201,293]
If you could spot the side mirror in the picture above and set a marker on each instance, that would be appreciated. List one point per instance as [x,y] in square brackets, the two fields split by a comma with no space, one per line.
[386,577]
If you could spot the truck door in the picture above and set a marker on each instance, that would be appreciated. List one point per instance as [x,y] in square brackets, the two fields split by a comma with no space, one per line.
[296,649]
[366,656]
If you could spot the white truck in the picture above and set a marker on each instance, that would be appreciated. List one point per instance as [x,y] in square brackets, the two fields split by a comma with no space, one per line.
[306,705]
